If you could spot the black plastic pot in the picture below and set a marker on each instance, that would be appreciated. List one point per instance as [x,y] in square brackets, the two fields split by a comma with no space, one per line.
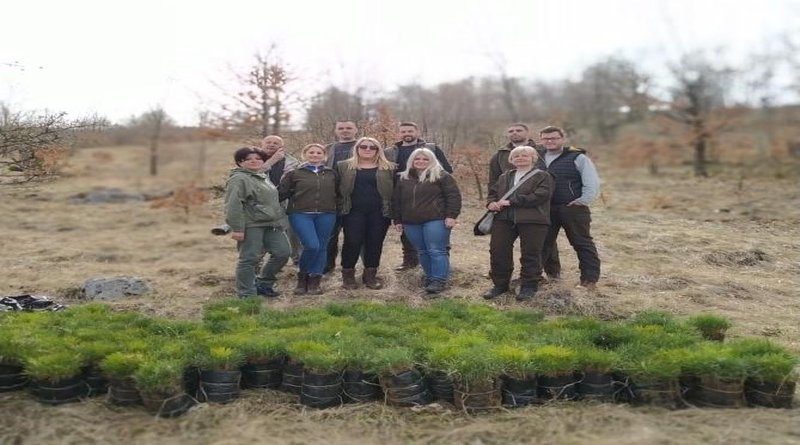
[321,390]
[98,384]
[406,388]
[167,405]
[478,396]
[191,381]
[769,394]
[292,380]
[219,386]
[557,387]
[441,385]
[263,375]
[123,392]
[12,378]
[63,391]
[664,393]
[714,392]
[689,386]
[360,387]
[518,392]
[597,386]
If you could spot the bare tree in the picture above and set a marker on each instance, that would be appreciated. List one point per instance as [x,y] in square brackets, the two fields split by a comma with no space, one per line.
[331,105]
[699,91]
[611,92]
[262,105]
[33,145]
[151,123]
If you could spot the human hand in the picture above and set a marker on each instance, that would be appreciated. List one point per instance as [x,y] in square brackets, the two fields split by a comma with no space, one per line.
[503,203]
[238,236]
[278,155]
[449,222]
[493,207]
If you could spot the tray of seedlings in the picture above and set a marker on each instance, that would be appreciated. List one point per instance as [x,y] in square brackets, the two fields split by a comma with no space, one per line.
[470,357]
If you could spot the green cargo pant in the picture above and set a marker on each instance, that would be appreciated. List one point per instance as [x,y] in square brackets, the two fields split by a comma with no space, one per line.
[257,241]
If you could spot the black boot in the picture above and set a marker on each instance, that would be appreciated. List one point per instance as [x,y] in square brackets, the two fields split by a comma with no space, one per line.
[349,279]
[313,284]
[409,262]
[495,292]
[526,292]
[302,283]
[371,279]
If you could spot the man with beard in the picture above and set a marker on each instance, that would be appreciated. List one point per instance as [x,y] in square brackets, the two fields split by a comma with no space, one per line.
[345,132]
[518,135]
[409,141]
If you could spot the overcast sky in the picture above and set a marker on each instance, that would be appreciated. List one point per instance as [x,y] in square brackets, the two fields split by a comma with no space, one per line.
[119,58]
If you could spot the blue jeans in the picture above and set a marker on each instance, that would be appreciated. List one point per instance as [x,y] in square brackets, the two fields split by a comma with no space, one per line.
[431,240]
[314,230]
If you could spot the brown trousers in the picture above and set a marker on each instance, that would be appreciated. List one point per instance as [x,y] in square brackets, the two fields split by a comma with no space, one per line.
[501,252]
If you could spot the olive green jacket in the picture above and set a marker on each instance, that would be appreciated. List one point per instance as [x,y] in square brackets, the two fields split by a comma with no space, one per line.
[251,201]
[347,180]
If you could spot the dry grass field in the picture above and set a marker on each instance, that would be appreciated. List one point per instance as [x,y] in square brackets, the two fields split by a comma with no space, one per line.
[728,245]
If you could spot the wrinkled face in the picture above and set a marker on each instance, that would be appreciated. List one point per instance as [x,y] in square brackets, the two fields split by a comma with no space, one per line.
[552,141]
[271,144]
[420,162]
[408,133]
[522,160]
[314,155]
[252,162]
[367,150]
[517,134]
[345,131]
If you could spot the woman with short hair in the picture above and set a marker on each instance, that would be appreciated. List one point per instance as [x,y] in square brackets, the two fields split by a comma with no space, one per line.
[525,214]
[312,193]
[365,187]
[426,203]
[254,214]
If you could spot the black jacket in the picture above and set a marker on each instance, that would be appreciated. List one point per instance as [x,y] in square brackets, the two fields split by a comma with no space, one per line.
[417,202]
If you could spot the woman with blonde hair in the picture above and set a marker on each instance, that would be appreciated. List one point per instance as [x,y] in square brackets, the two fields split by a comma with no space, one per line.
[312,193]
[425,206]
[366,185]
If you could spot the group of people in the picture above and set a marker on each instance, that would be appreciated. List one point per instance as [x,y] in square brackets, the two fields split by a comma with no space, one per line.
[279,205]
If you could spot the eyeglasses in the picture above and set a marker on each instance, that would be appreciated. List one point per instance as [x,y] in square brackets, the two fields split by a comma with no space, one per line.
[551,139]
[368,147]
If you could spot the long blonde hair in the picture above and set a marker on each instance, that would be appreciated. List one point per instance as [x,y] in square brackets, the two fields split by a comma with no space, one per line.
[432,173]
[383,162]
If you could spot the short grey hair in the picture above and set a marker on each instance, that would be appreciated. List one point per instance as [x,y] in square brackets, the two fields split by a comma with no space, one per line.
[523,149]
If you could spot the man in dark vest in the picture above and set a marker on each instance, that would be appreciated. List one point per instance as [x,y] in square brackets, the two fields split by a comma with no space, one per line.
[278,163]
[345,131]
[517,135]
[576,186]
[399,153]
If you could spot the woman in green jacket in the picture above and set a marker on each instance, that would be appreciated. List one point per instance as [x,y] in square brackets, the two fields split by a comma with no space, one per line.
[312,193]
[253,212]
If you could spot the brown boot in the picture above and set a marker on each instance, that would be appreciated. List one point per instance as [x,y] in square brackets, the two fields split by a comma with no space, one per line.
[313,284]
[302,284]
[370,278]
[349,279]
